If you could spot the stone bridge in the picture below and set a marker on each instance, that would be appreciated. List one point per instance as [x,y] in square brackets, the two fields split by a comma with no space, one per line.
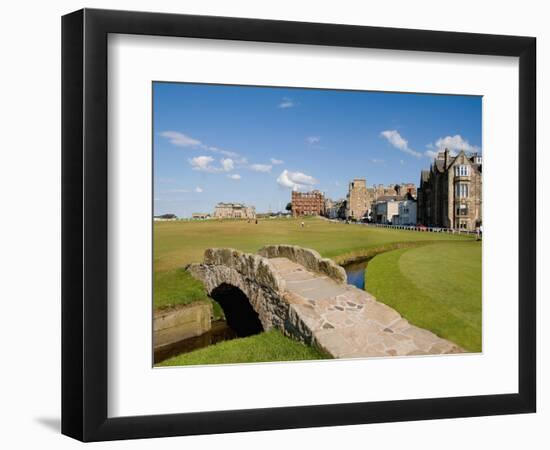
[306,296]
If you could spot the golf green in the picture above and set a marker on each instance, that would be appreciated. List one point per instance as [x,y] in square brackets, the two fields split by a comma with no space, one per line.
[437,287]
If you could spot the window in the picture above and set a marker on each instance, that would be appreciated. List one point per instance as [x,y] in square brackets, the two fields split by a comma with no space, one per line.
[462,171]
[461,190]
[462,210]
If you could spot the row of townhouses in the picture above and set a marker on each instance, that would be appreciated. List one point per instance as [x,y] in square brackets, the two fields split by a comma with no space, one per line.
[449,196]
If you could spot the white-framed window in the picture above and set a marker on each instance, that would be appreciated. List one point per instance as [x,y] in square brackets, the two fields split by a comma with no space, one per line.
[462,190]
[462,210]
[462,171]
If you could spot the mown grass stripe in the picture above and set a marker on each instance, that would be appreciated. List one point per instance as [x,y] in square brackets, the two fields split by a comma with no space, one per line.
[437,287]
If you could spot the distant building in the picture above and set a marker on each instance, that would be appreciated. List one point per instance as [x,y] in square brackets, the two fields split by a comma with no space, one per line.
[406,213]
[165,217]
[335,209]
[234,211]
[395,191]
[450,193]
[308,203]
[385,211]
[358,199]
[200,216]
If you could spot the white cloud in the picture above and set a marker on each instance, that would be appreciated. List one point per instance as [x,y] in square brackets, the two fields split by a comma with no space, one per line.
[276,161]
[295,180]
[234,176]
[260,167]
[227,164]
[313,140]
[397,141]
[377,161]
[401,162]
[183,140]
[223,152]
[202,163]
[199,189]
[286,103]
[180,139]
[454,143]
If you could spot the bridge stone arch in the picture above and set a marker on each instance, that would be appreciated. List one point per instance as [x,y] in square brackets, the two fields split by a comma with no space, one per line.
[306,297]
[251,274]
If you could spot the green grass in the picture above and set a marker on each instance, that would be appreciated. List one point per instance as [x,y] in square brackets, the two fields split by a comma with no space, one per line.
[182,242]
[437,287]
[178,287]
[263,347]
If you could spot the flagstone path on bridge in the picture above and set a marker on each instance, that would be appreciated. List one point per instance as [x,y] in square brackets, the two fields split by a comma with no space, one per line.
[348,322]
[306,296]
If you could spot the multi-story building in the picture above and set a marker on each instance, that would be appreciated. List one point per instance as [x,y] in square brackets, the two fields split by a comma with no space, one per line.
[406,213]
[358,199]
[450,193]
[308,203]
[335,209]
[234,211]
[378,192]
[385,211]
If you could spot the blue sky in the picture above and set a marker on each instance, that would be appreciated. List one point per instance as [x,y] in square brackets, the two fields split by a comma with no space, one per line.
[253,145]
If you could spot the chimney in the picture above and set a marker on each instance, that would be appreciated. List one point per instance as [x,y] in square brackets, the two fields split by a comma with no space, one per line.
[446,158]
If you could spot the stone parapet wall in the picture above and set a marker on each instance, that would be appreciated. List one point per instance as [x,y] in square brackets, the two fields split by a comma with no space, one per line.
[308,258]
[252,274]
[248,265]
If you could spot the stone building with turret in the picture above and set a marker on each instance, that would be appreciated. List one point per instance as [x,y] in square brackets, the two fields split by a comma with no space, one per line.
[450,193]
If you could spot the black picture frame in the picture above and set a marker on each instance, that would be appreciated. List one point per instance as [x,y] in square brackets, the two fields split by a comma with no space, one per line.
[84,224]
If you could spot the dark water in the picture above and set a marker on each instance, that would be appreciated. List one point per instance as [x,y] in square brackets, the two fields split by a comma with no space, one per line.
[357,272]
[240,321]
[220,331]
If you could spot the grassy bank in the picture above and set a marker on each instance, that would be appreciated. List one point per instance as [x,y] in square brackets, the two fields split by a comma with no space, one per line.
[179,243]
[264,347]
[437,287]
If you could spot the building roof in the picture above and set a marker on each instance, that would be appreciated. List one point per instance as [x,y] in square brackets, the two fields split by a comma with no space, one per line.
[389,198]
[231,205]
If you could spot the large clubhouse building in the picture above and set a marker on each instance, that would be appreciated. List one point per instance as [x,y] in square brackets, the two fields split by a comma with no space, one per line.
[450,193]
[234,211]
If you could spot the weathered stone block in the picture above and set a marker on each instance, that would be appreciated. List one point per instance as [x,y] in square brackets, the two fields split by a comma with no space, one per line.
[308,258]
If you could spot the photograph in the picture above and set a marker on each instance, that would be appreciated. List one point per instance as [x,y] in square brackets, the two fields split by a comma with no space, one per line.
[294,224]
[261,225]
